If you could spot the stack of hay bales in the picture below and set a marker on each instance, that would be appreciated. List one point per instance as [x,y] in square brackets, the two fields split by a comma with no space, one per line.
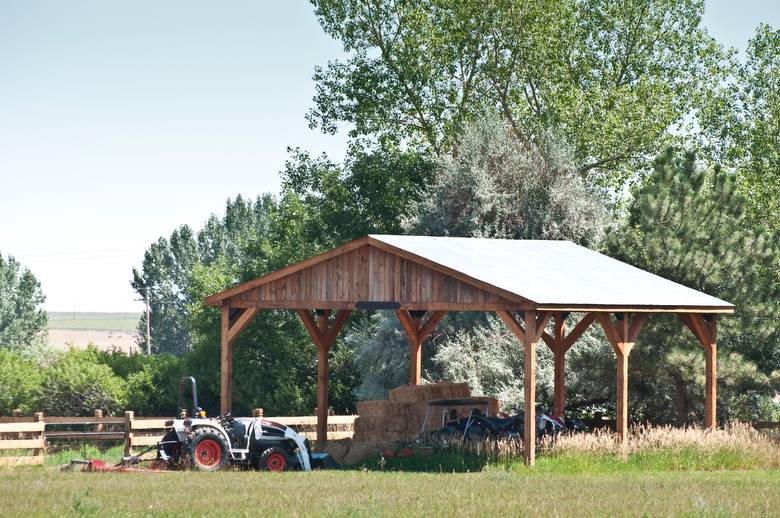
[401,416]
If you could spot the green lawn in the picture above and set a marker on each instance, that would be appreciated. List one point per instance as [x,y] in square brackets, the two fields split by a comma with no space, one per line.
[494,492]
[93,321]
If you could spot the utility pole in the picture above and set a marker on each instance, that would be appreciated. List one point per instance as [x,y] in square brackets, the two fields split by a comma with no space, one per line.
[148,324]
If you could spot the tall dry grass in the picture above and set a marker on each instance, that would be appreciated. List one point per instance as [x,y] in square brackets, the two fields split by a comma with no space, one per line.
[738,445]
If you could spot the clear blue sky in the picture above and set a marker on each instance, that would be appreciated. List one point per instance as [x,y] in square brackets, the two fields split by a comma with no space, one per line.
[121,120]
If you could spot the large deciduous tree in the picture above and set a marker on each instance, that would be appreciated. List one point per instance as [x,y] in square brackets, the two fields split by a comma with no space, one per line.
[613,77]
[23,323]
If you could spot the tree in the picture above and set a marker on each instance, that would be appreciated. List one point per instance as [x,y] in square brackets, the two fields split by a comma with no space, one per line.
[688,224]
[23,324]
[495,185]
[20,383]
[492,184]
[613,77]
[757,140]
[371,192]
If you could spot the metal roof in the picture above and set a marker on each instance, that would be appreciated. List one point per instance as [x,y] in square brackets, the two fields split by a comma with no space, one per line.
[555,274]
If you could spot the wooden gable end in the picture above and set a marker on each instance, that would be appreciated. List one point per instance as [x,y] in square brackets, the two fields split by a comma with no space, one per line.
[369,274]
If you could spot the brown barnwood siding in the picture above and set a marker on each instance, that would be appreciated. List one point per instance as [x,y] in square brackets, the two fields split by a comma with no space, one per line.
[369,274]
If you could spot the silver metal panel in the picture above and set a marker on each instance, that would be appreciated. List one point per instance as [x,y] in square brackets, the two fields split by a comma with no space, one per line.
[553,272]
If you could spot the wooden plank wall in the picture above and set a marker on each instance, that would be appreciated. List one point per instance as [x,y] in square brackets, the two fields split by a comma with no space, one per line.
[369,274]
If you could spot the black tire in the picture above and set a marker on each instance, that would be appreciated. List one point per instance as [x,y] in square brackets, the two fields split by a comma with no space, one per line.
[207,449]
[173,448]
[274,459]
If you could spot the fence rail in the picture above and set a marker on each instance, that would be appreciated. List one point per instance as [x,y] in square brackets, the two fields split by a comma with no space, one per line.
[32,432]
[25,435]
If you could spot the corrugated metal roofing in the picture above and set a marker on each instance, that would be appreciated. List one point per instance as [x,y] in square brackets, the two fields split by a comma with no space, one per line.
[554,273]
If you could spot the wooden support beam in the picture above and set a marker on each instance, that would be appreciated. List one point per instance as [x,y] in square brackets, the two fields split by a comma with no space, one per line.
[240,323]
[417,332]
[529,337]
[529,387]
[578,330]
[229,331]
[622,335]
[323,333]
[511,322]
[706,331]
[559,343]
[559,375]
[225,363]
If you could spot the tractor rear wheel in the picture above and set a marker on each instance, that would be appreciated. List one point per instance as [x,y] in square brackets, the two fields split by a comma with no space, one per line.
[208,450]
[274,459]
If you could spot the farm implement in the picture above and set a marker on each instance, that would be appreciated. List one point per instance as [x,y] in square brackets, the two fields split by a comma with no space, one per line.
[211,444]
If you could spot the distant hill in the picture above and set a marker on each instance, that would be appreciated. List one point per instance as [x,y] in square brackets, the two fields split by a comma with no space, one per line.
[93,321]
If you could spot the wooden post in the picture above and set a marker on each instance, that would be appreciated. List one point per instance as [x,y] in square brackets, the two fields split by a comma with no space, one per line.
[622,336]
[226,367]
[323,333]
[38,452]
[229,331]
[621,404]
[706,331]
[529,386]
[711,385]
[128,433]
[99,415]
[257,412]
[417,332]
[560,343]
[559,352]
[323,354]
[529,337]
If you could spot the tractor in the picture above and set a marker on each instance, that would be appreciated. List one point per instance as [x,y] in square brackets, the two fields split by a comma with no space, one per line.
[211,444]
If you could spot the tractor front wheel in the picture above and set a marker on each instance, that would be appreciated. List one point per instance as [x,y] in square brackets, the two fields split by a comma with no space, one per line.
[274,459]
[208,450]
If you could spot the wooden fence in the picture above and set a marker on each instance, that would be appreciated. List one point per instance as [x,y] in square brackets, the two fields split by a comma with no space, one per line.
[31,433]
[23,436]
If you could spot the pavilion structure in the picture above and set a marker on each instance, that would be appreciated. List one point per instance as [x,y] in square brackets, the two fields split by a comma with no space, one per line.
[532,285]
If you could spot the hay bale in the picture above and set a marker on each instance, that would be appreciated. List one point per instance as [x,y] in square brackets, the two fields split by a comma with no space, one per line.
[337,449]
[359,452]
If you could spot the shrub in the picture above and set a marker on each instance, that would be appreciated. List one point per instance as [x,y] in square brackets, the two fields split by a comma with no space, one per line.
[76,384]
[20,383]
[153,389]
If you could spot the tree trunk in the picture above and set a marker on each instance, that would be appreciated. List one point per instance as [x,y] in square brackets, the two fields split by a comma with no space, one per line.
[681,400]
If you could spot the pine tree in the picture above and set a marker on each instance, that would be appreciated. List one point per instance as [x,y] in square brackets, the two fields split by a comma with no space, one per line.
[688,224]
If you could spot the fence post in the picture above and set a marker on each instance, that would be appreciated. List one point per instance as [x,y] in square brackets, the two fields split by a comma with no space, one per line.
[128,433]
[257,412]
[38,452]
[99,426]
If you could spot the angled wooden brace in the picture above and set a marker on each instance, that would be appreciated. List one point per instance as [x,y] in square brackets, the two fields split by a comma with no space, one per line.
[417,332]
[323,333]
[234,320]
[559,343]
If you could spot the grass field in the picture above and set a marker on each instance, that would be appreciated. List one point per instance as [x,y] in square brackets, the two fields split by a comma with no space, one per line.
[93,321]
[494,492]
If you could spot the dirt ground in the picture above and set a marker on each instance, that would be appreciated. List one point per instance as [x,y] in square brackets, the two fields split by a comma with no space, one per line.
[122,340]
